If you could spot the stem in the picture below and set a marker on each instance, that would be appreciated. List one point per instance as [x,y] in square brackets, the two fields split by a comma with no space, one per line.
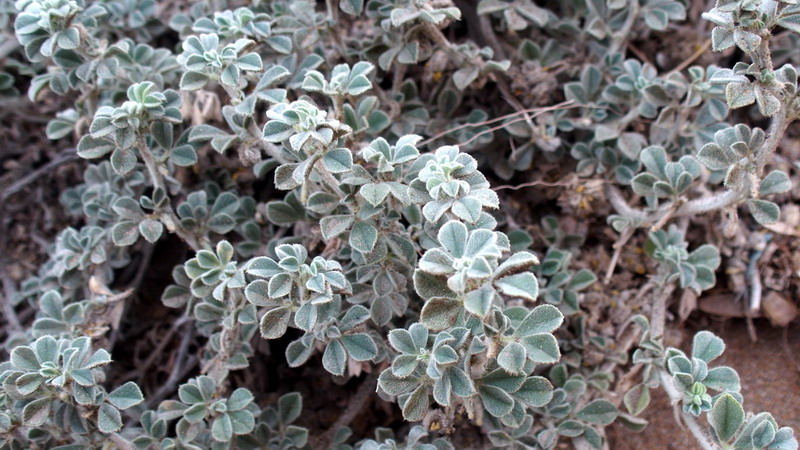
[166,215]
[658,317]
[780,122]
[329,179]
[621,37]
[156,179]
[691,422]
[120,442]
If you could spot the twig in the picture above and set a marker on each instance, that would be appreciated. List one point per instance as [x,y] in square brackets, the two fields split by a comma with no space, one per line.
[536,111]
[788,348]
[513,187]
[354,406]
[618,246]
[688,61]
[178,368]
[9,292]
[64,157]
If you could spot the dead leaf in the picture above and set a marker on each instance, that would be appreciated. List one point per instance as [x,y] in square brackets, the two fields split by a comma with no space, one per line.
[778,309]
[724,305]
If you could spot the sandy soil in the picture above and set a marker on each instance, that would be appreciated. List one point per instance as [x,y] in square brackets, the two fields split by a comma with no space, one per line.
[770,382]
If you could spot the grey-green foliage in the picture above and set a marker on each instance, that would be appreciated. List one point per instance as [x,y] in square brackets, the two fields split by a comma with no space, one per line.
[384,250]
[731,428]
[693,270]
[664,179]
[734,152]
[53,389]
[203,413]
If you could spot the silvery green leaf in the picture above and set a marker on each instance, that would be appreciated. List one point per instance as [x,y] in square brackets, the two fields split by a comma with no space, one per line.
[654,159]
[445,355]
[542,348]
[461,383]
[428,286]
[27,383]
[281,44]
[394,385]
[768,103]
[726,416]
[126,396]
[442,390]
[439,313]
[404,365]
[536,391]
[125,233]
[249,62]
[222,428]
[789,18]
[242,421]
[338,160]
[516,262]
[280,285]
[416,405]
[184,155]
[297,353]
[497,402]
[746,40]
[523,285]
[542,319]
[436,262]
[582,279]
[765,212]
[275,322]
[763,434]
[453,237]
[721,39]
[776,182]
[109,420]
[706,255]
[360,346]
[571,428]
[714,157]
[637,399]
[374,193]
[352,7]
[633,423]
[643,183]
[36,413]
[723,379]
[334,359]
[402,341]
[332,226]
[283,213]
[599,412]
[479,301]
[151,229]
[239,399]
[90,147]
[512,358]
[123,160]
[784,439]
[465,76]
[739,94]
[706,346]
[289,407]
[192,81]
[363,237]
